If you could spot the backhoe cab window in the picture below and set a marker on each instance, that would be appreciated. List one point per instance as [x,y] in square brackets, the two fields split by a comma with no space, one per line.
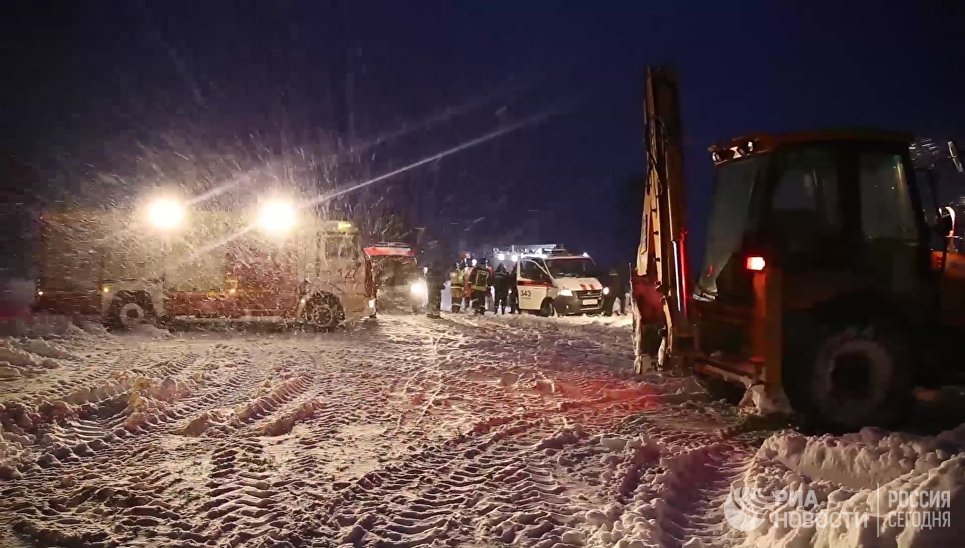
[805,212]
[886,208]
[729,216]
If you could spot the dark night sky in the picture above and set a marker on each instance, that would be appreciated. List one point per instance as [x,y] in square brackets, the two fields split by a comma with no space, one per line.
[110,98]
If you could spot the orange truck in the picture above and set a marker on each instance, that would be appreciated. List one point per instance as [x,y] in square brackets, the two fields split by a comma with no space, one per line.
[166,262]
[829,277]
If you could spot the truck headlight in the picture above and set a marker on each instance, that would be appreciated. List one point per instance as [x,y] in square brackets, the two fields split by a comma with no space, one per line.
[419,289]
[276,217]
[566,292]
[606,290]
[165,214]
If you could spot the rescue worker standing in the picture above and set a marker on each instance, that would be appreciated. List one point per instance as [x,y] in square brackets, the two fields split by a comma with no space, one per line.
[616,290]
[435,284]
[480,280]
[457,278]
[513,292]
[467,287]
[501,286]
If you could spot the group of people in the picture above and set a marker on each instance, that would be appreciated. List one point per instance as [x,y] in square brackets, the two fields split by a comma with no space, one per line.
[470,287]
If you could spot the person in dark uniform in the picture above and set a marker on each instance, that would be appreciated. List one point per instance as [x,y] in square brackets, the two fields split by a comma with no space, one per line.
[616,289]
[435,284]
[513,292]
[501,287]
[480,280]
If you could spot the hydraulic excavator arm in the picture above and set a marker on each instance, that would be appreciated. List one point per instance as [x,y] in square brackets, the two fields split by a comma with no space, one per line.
[662,332]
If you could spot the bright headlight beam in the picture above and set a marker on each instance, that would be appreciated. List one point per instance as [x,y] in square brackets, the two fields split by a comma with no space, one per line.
[419,289]
[165,214]
[276,217]
[532,120]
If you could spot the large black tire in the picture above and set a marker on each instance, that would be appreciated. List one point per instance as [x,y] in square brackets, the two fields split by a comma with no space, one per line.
[546,308]
[848,375]
[129,309]
[323,311]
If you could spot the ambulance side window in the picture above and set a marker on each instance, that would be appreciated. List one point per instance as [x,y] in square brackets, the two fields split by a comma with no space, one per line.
[528,269]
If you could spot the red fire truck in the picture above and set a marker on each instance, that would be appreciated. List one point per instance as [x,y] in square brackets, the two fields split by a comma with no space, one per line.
[166,262]
[399,280]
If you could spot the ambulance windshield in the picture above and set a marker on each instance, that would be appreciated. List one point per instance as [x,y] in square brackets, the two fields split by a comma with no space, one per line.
[576,267]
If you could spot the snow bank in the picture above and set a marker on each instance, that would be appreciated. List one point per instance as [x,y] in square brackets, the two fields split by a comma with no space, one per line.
[871,488]
[49,326]
[624,321]
[766,400]
[152,331]
[15,361]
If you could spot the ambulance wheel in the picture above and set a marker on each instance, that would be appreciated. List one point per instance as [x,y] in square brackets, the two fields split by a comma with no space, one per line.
[849,376]
[546,309]
[323,311]
[129,309]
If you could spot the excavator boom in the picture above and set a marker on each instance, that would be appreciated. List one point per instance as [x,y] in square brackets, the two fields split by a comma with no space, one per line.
[661,277]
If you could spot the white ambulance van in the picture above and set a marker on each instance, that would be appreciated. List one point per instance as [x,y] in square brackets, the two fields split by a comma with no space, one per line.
[558,282]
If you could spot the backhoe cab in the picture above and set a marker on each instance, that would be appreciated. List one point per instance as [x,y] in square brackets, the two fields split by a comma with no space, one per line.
[822,278]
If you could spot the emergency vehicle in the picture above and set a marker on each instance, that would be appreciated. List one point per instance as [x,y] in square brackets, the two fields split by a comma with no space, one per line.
[551,280]
[399,281]
[164,261]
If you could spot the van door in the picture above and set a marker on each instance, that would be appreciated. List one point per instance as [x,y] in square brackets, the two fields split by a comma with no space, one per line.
[533,284]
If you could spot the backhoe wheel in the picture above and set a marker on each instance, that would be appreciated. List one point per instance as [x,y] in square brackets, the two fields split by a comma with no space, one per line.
[854,376]
[546,309]
[649,347]
[130,309]
[324,311]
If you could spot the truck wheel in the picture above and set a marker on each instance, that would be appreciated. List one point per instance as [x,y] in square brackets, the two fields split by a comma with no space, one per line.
[324,311]
[853,376]
[546,309]
[130,309]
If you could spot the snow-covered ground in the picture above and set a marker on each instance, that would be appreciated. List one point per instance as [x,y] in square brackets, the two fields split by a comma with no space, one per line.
[464,431]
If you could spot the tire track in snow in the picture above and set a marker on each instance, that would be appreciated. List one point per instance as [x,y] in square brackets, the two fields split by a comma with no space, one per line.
[462,432]
[125,455]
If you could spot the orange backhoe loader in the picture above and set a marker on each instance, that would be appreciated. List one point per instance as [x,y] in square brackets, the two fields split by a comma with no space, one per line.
[827,280]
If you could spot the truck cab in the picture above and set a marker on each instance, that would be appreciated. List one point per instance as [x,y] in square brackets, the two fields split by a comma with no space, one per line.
[558,282]
[819,275]
[399,280]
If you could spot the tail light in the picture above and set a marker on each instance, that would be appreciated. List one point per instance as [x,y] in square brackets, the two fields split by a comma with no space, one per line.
[755,263]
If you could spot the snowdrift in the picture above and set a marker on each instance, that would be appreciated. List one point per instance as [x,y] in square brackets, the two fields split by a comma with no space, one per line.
[870,488]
